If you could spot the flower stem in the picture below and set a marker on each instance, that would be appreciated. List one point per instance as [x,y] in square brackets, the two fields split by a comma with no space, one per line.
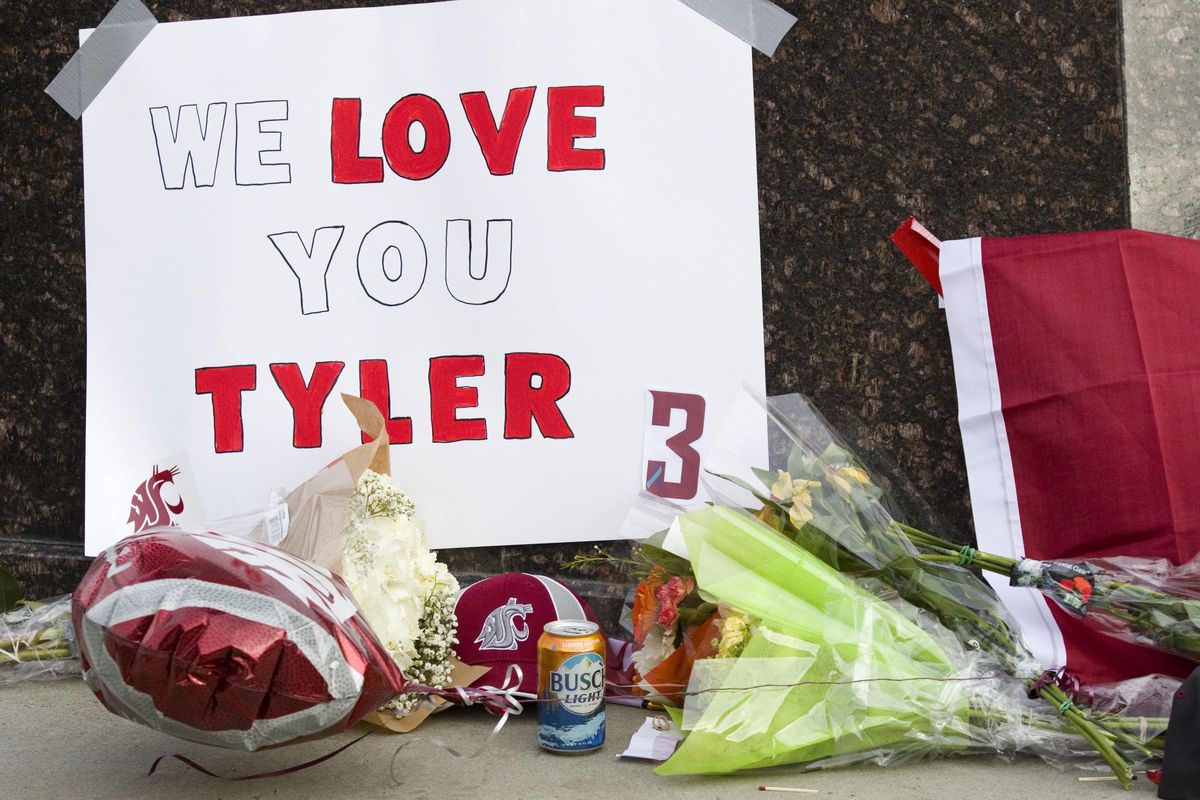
[1116,762]
[25,655]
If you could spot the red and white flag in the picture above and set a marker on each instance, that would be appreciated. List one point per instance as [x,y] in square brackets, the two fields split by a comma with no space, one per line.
[1077,364]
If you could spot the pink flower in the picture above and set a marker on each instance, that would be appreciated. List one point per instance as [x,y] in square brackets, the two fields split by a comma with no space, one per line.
[669,596]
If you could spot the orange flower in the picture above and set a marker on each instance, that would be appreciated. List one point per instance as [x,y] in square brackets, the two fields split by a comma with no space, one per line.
[645,605]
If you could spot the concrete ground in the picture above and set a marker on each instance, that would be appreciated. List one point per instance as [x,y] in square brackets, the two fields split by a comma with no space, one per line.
[58,742]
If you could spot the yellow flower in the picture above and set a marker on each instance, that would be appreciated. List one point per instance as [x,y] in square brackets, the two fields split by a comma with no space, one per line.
[781,489]
[844,478]
[799,492]
[801,515]
[735,630]
[857,474]
[801,511]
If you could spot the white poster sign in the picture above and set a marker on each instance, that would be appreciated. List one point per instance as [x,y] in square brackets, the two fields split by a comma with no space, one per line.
[501,220]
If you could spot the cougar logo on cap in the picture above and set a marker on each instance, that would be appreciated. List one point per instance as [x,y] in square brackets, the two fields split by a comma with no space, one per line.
[500,630]
[509,613]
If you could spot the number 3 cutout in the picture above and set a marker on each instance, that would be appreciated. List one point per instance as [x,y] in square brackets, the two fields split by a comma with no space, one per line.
[680,444]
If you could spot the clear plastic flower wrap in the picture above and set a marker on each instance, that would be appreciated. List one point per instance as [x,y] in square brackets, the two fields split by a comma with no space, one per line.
[37,642]
[1150,602]
[1147,601]
[819,494]
[914,673]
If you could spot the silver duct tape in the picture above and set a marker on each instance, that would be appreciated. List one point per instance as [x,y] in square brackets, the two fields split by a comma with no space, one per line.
[759,23]
[98,59]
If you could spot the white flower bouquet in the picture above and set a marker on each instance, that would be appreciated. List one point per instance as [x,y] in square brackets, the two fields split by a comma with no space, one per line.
[406,594]
[351,519]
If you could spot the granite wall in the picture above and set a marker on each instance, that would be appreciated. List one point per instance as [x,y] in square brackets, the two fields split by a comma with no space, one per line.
[994,117]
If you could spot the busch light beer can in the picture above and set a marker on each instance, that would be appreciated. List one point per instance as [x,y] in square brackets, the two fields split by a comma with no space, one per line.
[571,687]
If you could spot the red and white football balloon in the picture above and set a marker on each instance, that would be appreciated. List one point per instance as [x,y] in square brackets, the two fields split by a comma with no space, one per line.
[226,641]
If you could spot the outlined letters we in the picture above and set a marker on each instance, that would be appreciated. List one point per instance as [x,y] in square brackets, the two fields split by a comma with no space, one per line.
[189,143]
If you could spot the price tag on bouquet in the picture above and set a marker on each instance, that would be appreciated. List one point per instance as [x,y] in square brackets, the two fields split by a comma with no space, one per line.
[1072,585]
[500,221]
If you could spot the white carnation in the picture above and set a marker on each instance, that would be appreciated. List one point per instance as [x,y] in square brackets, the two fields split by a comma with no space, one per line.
[658,647]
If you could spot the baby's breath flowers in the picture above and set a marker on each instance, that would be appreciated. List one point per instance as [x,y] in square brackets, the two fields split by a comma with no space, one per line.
[405,593]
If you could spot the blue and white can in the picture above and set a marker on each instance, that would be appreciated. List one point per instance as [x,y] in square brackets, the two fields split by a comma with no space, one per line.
[571,687]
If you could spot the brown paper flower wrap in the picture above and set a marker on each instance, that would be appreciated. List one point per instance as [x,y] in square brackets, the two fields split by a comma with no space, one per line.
[321,512]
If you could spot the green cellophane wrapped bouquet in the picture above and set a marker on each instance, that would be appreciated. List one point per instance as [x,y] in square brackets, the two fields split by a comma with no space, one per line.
[832,669]
[828,670]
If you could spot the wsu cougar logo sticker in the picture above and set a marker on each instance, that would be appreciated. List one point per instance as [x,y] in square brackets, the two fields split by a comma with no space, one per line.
[500,630]
[147,508]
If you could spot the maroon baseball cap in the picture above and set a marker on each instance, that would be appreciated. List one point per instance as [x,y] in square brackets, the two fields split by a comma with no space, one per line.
[501,618]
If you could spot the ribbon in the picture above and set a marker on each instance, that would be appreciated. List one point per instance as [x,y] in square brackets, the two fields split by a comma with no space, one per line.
[272,774]
[508,700]
[504,700]
[619,673]
[1069,683]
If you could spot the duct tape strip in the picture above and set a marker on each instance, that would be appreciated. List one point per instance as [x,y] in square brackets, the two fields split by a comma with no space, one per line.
[759,23]
[99,58]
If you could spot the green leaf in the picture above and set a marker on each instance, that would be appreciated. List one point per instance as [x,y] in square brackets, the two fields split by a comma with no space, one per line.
[673,564]
[836,456]
[767,477]
[872,491]
[759,496]
[798,464]
[10,591]
[693,616]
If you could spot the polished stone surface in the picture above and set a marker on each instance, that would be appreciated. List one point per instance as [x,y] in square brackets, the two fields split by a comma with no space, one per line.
[1162,100]
[999,117]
